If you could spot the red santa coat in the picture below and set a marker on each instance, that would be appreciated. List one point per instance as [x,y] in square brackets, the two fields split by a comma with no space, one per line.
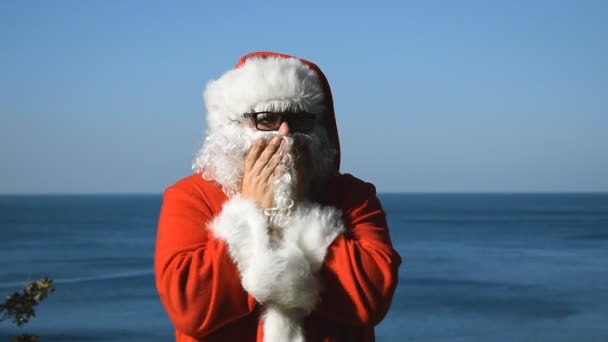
[214,281]
[200,285]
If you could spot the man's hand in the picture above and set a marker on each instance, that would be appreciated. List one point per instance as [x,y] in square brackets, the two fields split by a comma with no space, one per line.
[260,166]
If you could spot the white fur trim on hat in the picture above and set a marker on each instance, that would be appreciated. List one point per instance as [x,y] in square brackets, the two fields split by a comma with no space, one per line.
[263,83]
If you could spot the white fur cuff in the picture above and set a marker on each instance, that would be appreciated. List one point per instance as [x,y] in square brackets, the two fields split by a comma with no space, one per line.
[236,225]
[314,228]
[280,275]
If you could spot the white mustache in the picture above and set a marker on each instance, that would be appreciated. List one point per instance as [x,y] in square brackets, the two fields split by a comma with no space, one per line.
[222,156]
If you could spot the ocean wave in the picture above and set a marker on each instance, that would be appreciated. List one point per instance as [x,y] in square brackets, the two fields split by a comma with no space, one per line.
[107,276]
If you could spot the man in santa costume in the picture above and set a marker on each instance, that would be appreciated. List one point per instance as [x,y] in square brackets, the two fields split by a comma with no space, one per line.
[267,240]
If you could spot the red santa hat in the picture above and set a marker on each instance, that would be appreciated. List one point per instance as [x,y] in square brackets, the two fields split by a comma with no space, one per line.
[271,81]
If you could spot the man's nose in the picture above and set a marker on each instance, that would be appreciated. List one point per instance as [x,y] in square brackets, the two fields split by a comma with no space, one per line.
[284,128]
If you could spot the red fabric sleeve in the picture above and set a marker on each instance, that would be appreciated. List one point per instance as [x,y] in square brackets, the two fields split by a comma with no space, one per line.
[198,283]
[360,271]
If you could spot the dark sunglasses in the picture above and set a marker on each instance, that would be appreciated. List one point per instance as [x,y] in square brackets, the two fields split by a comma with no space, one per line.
[271,121]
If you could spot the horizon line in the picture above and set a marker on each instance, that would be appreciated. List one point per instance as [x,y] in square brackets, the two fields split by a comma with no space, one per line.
[497,192]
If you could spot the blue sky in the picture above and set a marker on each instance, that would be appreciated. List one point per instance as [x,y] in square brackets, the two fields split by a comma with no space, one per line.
[431,96]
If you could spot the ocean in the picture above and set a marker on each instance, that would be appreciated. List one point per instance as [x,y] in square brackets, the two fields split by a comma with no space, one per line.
[476,267]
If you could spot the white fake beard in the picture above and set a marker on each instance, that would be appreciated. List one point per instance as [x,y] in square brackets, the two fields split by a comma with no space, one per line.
[222,160]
